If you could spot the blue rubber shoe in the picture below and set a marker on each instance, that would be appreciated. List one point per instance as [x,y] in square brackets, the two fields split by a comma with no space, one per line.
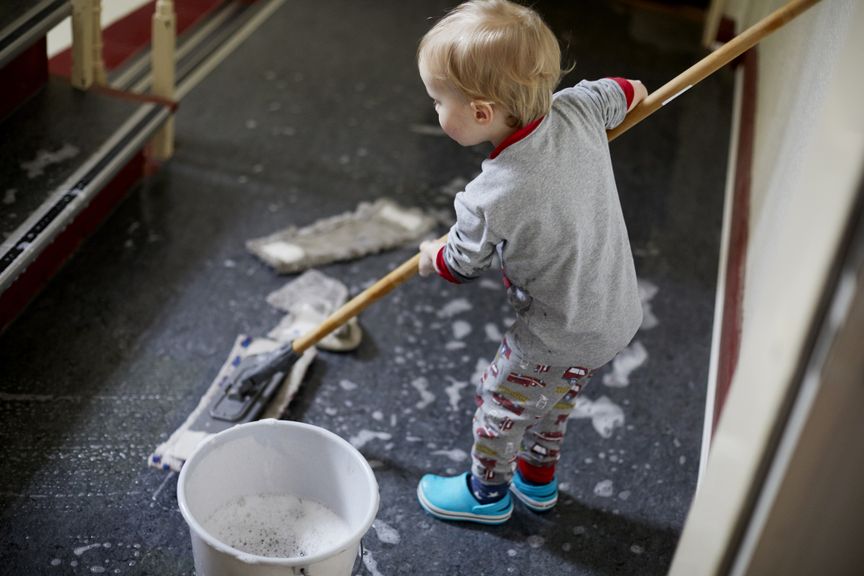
[449,498]
[537,497]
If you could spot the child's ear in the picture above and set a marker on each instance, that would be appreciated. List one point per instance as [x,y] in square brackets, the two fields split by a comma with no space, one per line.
[483,111]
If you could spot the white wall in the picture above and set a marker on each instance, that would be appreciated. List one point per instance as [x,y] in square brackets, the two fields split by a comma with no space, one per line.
[795,67]
[60,36]
[809,143]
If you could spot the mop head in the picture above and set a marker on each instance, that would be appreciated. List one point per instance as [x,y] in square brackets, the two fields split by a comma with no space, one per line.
[171,454]
[371,228]
[308,301]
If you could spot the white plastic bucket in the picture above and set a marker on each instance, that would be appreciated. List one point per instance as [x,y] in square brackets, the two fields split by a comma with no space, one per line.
[276,458]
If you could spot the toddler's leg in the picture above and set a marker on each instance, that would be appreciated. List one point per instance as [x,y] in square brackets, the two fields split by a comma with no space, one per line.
[514,396]
[541,444]
[535,483]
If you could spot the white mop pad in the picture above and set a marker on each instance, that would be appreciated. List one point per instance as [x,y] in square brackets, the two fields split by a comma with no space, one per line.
[171,454]
[307,300]
[371,228]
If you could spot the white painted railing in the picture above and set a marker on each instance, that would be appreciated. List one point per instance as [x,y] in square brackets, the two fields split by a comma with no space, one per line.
[162,55]
[88,67]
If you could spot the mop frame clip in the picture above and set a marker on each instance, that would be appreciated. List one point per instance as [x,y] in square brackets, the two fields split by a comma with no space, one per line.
[248,389]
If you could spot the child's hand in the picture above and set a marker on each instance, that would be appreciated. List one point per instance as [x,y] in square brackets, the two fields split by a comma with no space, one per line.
[428,255]
[639,93]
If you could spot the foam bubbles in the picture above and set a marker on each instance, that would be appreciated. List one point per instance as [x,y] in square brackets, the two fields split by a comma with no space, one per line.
[604,488]
[277,526]
[454,307]
[605,415]
[461,329]
[624,363]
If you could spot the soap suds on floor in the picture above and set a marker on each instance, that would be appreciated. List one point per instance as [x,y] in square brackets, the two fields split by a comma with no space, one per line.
[386,533]
[453,392]
[605,415]
[370,563]
[461,329]
[455,307]
[422,386]
[456,455]
[361,439]
[82,549]
[604,489]
[624,364]
[647,291]
[347,385]
[493,333]
[44,159]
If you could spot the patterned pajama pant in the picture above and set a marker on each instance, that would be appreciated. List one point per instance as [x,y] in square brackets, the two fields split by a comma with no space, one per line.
[522,411]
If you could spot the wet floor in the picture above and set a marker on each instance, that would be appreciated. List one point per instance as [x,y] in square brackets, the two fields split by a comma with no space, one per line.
[319,110]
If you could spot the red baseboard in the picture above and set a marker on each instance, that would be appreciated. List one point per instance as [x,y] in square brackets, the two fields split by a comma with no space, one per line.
[30,283]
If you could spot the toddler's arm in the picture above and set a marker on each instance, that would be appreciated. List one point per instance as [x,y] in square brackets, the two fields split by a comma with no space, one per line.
[607,100]
[470,244]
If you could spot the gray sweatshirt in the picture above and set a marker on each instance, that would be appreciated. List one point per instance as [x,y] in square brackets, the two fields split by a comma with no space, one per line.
[548,205]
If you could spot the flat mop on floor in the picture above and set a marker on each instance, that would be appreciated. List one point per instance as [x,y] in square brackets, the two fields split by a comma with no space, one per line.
[201,423]
[250,385]
[261,375]
[371,228]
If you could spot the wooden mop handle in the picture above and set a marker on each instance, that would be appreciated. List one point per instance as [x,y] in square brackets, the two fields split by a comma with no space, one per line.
[711,64]
[648,106]
[352,308]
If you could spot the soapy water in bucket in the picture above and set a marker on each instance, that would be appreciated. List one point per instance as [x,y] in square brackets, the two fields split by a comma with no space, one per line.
[277,526]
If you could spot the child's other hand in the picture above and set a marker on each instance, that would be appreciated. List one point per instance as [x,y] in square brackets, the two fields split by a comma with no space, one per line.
[428,255]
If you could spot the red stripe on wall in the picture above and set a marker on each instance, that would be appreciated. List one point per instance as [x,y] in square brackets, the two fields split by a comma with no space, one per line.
[730,333]
[131,34]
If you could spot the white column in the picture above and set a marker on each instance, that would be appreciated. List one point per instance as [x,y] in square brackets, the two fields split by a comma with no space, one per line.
[163,43]
[99,76]
[82,44]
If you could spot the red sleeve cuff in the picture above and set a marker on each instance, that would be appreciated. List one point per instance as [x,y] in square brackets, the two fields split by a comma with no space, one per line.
[627,87]
[442,269]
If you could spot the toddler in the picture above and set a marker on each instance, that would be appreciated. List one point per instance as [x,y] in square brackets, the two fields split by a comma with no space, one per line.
[546,204]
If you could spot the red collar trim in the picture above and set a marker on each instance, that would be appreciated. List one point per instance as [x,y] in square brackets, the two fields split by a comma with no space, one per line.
[515,137]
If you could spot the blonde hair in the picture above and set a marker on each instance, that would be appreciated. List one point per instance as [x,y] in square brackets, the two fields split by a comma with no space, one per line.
[498,51]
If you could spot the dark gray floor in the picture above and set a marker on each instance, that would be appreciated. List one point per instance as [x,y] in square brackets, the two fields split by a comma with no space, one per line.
[312,115]
[47,141]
